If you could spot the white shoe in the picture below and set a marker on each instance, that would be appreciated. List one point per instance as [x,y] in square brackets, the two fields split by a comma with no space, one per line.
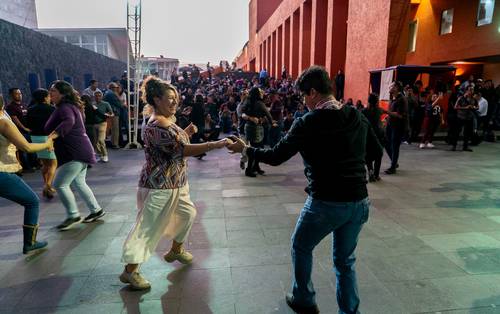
[184,257]
[135,280]
[430,145]
[105,159]
[421,146]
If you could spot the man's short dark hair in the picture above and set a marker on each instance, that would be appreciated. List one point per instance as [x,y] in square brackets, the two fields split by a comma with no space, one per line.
[12,90]
[92,82]
[315,77]
[398,85]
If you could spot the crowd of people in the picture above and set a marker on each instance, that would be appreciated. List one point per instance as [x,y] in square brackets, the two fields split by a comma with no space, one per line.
[265,119]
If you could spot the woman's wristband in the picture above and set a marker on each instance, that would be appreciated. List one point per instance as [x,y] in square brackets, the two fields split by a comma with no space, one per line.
[209,147]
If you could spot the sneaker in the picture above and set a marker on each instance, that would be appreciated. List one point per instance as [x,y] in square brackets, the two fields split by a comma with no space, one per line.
[69,223]
[183,257]
[105,159]
[135,280]
[430,145]
[94,216]
[421,146]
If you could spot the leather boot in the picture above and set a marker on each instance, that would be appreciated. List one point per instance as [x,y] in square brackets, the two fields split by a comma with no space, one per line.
[31,245]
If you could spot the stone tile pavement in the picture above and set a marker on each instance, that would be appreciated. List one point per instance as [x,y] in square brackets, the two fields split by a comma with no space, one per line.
[432,244]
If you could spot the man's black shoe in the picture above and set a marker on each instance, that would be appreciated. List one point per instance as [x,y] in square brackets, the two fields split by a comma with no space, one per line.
[313,309]
[261,172]
[453,149]
[250,174]
[390,171]
[467,150]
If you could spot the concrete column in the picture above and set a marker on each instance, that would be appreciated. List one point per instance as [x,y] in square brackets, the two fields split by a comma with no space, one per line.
[263,65]
[279,57]
[305,35]
[286,45]
[318,31]
[260,57]
[295,47]
[273,54]
[269,56]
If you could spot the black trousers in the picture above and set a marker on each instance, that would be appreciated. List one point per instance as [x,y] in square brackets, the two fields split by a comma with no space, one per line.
[253,165]
[394,137]
[467,126]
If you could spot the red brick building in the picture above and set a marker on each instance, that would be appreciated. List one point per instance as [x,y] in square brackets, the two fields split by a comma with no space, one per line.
[359,35]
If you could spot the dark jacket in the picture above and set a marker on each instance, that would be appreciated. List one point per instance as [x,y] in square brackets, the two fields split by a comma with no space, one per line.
[38,115]
[333,144]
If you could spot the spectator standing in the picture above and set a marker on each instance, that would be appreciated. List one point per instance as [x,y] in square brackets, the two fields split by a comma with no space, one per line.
[465,107]
[102,111]
[397,124]
[339,84]
[433,119]
[89,91]
[373,114]
[111,97]
[18,112]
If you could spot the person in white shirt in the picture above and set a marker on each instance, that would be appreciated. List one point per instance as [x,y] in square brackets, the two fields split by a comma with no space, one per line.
[482,112]
[90,91]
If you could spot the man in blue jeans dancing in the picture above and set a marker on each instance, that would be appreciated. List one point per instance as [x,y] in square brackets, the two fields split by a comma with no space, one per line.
[338,198]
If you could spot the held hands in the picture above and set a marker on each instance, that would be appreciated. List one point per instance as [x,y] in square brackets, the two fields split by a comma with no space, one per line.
[53,135]
[236,145]
[50,144]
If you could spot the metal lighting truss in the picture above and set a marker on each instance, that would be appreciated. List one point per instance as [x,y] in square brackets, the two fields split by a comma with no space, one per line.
[133,70]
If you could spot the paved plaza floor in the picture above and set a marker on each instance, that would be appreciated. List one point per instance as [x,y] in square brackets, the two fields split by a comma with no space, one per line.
[432,243]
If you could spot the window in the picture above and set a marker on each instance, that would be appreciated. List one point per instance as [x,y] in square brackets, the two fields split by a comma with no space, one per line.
[485,12]
[88,39]
[412,36]
[102,49]
[75,40]
[446,21]
[101,39]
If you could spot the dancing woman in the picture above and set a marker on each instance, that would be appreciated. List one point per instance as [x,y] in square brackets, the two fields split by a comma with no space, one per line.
[12,187]
[163,200]
[74,154]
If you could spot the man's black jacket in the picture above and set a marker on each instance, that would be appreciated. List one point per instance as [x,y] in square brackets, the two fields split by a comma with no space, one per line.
[334,144]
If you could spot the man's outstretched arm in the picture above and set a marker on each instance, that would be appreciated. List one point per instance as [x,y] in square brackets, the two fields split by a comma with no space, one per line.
[286,148]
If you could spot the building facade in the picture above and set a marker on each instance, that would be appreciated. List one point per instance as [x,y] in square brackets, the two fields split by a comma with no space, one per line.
[161,66]
[31,60]
[358,35]
[109,42]
[20,12]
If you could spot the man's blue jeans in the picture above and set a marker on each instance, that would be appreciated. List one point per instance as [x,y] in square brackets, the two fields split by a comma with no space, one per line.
[15,189]
[72,175]
[318,219]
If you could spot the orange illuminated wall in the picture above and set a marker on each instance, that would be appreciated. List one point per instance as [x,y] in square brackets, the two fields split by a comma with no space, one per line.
[466,41]
[367,37]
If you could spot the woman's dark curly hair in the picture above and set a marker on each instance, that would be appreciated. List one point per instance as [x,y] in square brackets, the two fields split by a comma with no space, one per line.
[154,87]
